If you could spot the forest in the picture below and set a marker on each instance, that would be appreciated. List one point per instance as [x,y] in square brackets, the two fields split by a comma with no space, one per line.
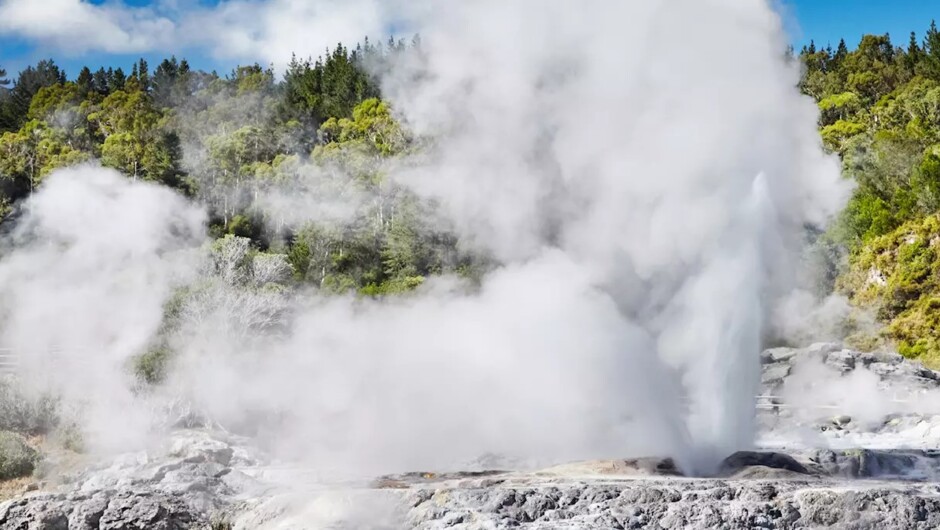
[232,141]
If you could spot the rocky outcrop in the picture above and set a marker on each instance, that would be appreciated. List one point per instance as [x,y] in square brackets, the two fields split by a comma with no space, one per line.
[672,504]
[204,476]
[103,510]
[191,485]
[891,368]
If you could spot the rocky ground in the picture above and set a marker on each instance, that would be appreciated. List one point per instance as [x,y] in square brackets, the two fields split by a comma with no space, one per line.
[818,407]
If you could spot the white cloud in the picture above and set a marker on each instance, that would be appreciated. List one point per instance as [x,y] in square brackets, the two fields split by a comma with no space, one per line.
[272,30]
[76,27]
[264,30]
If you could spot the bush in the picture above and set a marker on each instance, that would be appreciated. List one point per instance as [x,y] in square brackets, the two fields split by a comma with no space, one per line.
[17,458]
[23,414]
[151,367]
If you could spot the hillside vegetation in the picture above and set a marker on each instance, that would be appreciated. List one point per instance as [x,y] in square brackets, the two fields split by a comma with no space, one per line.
[232,141]
[880,111]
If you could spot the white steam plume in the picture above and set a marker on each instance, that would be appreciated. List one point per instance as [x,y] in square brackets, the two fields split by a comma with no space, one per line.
[82,288]
[643,172]
[678,176]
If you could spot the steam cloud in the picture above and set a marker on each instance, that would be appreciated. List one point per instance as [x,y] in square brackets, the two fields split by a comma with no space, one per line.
[645,197]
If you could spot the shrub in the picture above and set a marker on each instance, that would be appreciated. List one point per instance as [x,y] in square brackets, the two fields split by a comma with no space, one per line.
[17,458]
[25,414]
[151,367]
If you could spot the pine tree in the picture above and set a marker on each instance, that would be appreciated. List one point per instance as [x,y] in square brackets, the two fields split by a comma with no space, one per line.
[841,52]
[116,79]
[85,81]
[3,78]
[143,75]
[101,77]
[914,54]
[133,81]
[931,59]
[45,74]
[164,81]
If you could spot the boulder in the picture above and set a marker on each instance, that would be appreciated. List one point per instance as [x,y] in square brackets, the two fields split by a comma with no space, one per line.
[745,459]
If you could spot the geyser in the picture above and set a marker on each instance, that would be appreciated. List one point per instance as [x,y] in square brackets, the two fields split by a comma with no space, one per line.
[644,200]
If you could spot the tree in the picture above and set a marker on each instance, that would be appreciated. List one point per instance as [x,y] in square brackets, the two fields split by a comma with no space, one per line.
[165,80]
[3,78]
[28,83]
[32,153]
[872,70]
[116,79]
[372,132]
[100,81]
[331,86]
[85,80]
[136,140]
[931,61]
[841,52]
[252,78]
[143,75]
[914,54]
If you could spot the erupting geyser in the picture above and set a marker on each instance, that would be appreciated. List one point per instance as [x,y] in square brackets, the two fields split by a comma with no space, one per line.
[643,197]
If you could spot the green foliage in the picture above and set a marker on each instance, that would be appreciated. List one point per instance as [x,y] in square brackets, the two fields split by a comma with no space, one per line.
[15,108]
[898,275]
[835,135]
[839,107]
[151,367]
[136,140]
[17,458]
[372,131]
[331,86]
[32,153]
[930,63]
[299,257]
[880,110]
[393,286]
[242,226]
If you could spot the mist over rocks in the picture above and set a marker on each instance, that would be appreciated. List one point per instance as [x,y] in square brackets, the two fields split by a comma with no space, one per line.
[204,476]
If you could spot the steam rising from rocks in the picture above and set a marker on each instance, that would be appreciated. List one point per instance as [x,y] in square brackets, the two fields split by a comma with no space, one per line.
[645,196]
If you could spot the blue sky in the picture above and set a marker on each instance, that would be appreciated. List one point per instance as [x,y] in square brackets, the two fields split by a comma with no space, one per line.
[825,21]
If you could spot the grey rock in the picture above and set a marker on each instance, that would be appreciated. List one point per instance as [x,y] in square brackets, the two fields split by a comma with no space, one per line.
[87,514]
[843,360]
[822,349]
[147,511]
[743,459]
[180,491]
[777,355]
[842,420]
[702,504]
[775,373]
